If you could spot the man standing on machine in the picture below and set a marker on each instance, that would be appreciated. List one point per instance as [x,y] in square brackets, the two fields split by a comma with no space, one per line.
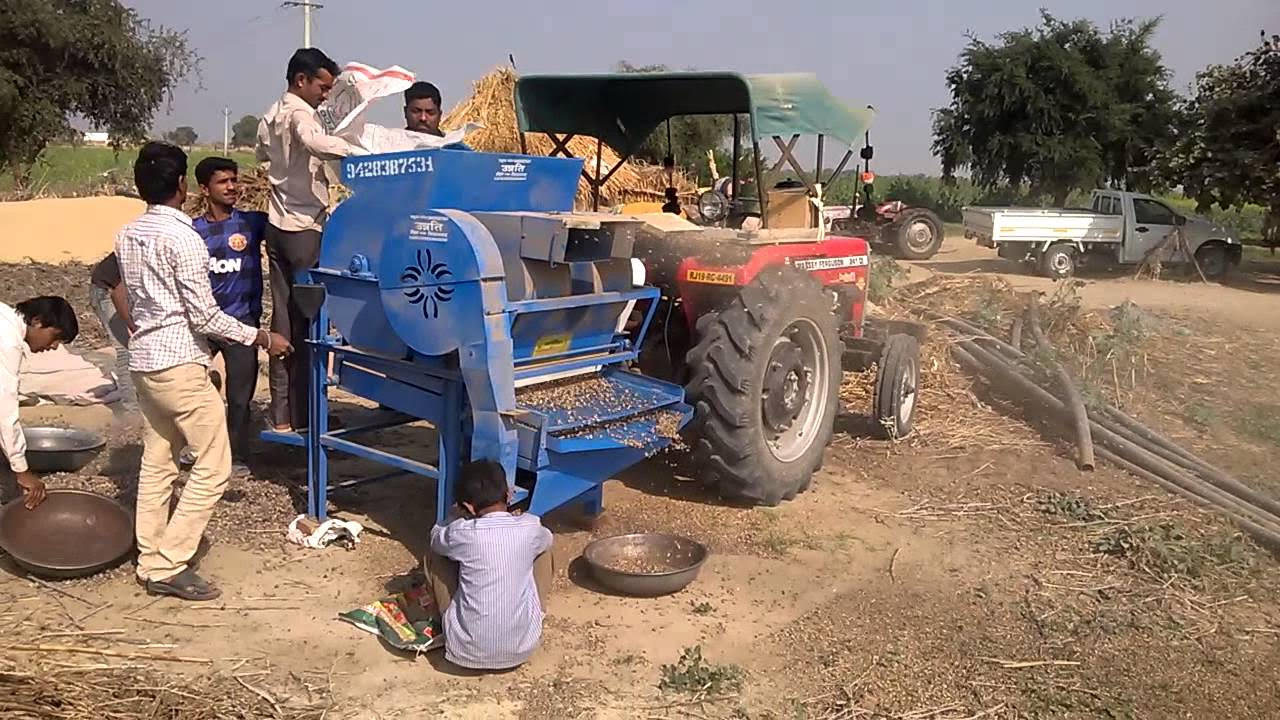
[293,144]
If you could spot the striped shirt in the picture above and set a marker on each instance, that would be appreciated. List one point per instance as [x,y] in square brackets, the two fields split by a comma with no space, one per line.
[165,267]
[494,621]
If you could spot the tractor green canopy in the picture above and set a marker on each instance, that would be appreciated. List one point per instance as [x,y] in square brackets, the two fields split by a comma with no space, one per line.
[622,109]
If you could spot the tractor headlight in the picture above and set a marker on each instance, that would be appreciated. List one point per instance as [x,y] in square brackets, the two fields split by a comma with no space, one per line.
[713,206]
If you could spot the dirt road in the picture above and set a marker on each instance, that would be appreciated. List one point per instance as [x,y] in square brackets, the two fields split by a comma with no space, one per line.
[1251,297]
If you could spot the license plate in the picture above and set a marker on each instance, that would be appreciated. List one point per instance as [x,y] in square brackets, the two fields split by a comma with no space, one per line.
[711,277]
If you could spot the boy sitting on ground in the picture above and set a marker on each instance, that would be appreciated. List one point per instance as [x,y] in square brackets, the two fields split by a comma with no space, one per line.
[490,571]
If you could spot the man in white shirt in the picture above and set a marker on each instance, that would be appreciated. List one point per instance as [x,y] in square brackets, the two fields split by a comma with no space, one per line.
[165,267]
[294,145]
[37,325]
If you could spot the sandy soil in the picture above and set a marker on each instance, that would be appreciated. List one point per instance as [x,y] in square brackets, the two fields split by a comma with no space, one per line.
[935,578]
[63,229]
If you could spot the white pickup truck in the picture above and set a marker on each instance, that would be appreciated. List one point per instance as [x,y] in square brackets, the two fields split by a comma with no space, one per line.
[1119,228]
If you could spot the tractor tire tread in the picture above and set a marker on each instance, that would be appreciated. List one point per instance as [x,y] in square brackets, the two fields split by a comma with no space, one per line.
[728,443]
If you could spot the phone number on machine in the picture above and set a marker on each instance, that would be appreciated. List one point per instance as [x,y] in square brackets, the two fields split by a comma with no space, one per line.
[388,167]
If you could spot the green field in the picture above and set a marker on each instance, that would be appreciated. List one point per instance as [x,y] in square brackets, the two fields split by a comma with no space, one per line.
[66,170]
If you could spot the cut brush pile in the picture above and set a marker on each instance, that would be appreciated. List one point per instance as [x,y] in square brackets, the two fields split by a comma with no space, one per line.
[1057,384]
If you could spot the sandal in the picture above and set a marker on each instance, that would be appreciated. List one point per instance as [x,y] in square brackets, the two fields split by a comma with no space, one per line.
[186,585]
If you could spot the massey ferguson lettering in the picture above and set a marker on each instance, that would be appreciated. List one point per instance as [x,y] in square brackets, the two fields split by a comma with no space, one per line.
[830,263]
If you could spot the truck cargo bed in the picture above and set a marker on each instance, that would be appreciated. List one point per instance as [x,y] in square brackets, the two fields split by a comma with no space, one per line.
[992,226]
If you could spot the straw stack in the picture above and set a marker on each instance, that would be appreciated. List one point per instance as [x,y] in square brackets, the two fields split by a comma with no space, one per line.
[492,104]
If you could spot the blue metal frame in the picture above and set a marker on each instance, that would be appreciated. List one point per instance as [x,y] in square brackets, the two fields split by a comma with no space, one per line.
[425,328]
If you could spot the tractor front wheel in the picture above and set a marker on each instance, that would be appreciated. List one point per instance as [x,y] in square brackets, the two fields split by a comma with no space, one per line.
[765,380]
[897,385]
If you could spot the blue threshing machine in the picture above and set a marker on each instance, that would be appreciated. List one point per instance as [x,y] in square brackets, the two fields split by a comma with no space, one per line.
[460,289]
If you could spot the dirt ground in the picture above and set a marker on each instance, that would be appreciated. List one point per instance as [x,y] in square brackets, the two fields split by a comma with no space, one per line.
[968,572]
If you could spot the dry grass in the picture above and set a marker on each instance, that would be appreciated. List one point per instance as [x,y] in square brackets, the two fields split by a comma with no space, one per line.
[49,689]
[492,104]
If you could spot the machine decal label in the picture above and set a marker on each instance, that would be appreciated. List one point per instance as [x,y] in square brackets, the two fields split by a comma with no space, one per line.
[552,344]
[389,167]
[428,227]
[429,297]
[512,170]
[831,263]
[711,277]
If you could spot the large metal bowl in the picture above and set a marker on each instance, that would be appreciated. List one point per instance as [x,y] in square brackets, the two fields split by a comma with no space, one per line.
[645,564]
[72,533]
[52,449]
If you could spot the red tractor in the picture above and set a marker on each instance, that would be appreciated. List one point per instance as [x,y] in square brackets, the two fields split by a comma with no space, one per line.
[758,317]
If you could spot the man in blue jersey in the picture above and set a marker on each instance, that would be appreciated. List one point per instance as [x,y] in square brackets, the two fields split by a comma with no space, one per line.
[234,238]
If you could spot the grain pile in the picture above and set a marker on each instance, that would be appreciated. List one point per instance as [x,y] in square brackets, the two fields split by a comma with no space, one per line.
[492,104]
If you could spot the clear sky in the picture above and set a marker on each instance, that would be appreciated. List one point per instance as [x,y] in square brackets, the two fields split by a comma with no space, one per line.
[890,54]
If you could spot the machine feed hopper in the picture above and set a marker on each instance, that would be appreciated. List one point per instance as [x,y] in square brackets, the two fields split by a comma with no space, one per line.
[459,288]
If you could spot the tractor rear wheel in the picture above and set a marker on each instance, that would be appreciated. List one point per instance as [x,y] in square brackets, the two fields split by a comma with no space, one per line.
[765,380]
[916,234]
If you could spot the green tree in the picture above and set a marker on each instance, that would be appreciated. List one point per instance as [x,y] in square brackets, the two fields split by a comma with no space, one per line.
[183,136]
[245,132]
[92,59]
[1228,146]
[691,135]
[1058,107]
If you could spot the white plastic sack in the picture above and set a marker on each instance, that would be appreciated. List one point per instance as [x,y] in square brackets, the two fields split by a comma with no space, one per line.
[355,88]
[379,139]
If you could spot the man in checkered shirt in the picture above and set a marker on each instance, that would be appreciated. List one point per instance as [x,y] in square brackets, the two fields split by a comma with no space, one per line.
[164,264]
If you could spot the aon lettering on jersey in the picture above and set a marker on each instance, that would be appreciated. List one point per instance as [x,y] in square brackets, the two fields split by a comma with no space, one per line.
[225,267]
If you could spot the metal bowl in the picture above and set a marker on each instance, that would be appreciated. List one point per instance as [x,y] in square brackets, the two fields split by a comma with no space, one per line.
[72,533]
[51,449]
[645,564]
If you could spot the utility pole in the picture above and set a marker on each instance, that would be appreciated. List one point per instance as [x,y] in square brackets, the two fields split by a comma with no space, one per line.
[306,6]
[226,130]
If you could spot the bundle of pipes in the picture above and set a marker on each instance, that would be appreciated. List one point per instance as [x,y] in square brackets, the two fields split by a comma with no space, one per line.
[1123,440]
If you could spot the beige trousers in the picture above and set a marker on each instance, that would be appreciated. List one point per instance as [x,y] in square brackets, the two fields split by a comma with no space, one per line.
[181,408]
[442,575]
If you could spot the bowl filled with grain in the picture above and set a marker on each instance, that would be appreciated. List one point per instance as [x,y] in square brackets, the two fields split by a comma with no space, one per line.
[645,564]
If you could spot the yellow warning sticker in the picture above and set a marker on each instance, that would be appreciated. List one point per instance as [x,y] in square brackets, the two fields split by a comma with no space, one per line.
[552,344]
[711,277]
